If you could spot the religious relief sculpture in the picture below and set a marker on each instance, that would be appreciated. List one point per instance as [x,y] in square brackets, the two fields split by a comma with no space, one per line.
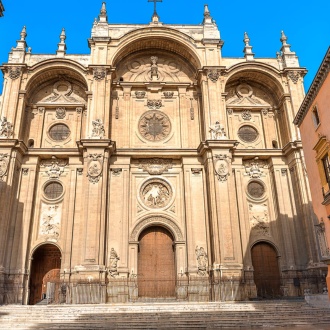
[217,131]
[99,74]
[14,72]
[60,113]
[259,222]
[98,131]
[154,68]
[4,161]
[156,193]
[154,126]
[155,165]
[95,167]
[50,221]
[55,167]
[154,104]
[213,75]
[221,165]
[254,168]
[113,263]
[6,128]
[202,261]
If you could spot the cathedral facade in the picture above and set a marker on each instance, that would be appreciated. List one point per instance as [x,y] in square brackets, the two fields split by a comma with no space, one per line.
[152,168]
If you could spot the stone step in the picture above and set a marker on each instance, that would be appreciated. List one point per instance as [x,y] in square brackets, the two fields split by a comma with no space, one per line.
[163,316]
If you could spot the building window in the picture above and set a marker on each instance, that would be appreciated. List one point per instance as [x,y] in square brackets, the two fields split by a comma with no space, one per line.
[256,189]
[326,167]
[316,118]
[53,190]
[248,133]
[59,132]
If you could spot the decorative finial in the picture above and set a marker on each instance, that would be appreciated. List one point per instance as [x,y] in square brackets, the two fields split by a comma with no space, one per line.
[207,16]
[63,36]
[283,38]
[285,46]
[23,33]
[61,46]
[246,39]
[206,11]
[249,56]
[103,13]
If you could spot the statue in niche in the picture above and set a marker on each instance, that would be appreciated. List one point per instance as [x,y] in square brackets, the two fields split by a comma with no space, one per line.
[217,131]
[154,68]
[201,260]
[113,263]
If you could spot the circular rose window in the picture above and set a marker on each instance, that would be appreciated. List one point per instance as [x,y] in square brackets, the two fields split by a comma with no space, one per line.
[156,193]
[256,189]
[154,126]
[248,133]
[53,190]
[59,132]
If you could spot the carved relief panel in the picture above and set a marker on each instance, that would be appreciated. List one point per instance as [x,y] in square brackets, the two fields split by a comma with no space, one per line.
[150,105]
[250,114]
[55,114]
[50,222]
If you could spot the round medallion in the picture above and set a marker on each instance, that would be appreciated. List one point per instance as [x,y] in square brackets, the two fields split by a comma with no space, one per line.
[156,193]
[256,189]
[154,126]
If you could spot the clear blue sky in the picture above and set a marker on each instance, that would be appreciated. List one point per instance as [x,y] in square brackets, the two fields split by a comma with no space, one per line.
[306,23]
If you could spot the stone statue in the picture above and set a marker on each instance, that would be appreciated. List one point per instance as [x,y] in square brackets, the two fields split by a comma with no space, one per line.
[98,129]
[113,263]
[202,260]
[217,131]
[6,128]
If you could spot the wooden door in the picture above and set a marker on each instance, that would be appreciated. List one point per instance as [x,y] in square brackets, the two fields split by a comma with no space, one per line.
[46,258]
[266,270]
[156,264]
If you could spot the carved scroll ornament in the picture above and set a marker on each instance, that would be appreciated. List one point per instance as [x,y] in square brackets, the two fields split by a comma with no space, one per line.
[55,167]
[155,166]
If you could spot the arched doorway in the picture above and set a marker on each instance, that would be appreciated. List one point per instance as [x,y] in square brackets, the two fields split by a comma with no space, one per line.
[266,270]
[156,263]
[46,262]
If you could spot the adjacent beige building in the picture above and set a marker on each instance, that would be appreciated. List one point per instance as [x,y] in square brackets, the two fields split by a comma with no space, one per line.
[153,168]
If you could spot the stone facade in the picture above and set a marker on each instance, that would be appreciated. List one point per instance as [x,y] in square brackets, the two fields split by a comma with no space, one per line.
[153,128]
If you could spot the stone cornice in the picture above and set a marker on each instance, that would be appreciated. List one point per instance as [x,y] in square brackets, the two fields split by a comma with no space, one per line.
[314,89]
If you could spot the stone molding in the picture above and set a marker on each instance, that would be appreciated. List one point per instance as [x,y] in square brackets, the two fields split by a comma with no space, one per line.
[156,220]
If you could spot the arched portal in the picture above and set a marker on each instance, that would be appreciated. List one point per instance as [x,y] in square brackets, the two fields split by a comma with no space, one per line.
[46,260]
[156,263]
[266,270]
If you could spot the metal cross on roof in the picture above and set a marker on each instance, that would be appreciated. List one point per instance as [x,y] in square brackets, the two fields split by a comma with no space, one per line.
[155,2]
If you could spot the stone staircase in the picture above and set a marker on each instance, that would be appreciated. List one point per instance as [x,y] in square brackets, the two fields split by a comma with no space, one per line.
[240,315]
